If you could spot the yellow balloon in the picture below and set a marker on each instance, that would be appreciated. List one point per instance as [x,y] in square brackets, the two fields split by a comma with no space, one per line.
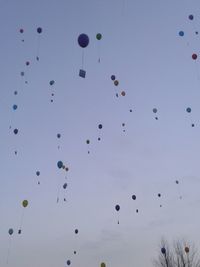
[25,203]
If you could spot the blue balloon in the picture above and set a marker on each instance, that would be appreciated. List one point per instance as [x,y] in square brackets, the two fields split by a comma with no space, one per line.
[188,110]
[39,30]
[191,17]
[60,164]
[83,40]
[14,107]
[163,250]
[10,231]
[181,33]
[15,131]
[37,173]
[68,262]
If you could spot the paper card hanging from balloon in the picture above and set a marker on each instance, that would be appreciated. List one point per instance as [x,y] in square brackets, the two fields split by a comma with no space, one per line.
[82,73]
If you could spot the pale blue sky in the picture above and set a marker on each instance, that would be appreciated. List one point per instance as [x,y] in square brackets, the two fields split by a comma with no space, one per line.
[141,46]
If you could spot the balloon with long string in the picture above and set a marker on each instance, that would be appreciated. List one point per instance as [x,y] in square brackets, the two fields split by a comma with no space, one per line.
[15,132]
[155,110]
[51,83]
[177,182]
[159,195]
[38,174]
[10,232]
[99,37]
[117,208]
[189,110]
[60,165]
[58,137]
[88,146]
[123,127]
[83,41]
[100,126]
[39,31]
[113,78]
[116,83]
[21,32]
[24,205]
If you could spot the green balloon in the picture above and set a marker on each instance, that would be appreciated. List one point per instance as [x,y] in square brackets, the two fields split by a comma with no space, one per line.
[98,36]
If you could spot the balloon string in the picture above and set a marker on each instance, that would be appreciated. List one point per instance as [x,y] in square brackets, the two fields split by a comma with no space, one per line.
[21,220]
[82,59]
[58,192]
[9,249]
[38,48]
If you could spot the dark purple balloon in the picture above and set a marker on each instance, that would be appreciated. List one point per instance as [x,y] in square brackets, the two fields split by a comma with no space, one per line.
[83,40]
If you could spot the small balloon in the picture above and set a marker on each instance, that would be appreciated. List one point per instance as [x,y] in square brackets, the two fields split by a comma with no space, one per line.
[155,110]
[100,126]
[99,36]
[117,207]
[134,197]
[10,231]
[37,173]
[116,82]
[25,203]
[194,56]
[187,249]
[76,231]
[112,77]
[191,17]
[14,107]
[60,164]
[68,262]
[123,93]
[65,185]
[52,82]
[39,30]
[58,135]
[181,33]
[15,131]
[188,110]
[163,250]
[87,142]
[21,30]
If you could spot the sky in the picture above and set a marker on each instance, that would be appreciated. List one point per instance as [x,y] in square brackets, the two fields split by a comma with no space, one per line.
[141,46]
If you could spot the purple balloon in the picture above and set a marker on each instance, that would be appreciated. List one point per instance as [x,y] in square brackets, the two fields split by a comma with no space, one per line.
[83,40]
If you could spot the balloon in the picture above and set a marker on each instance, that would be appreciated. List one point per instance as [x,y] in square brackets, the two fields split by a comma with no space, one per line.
[65,185]
[39,30]
[87,142]
[74,251]
[112,77]
[60,164]
[25,203]
[137,210]
[134,197]
[15,131]
[159,195]
[163,250]
[181,33]
[123,93]
[103,264]
[21,30]
[116,82]
[117,207]
[131,110]
[10,231]
[191,17]
[188,110]
[14,107]
[27,63]
[83,40]
[58,135]
[187,250]
[99,36]
[155,110]
[51,82]
[37,173]
[76,231]
[22,73]
[68,262]
[100,126]
[177,182]
[194,56]
[123,124]
[15,92]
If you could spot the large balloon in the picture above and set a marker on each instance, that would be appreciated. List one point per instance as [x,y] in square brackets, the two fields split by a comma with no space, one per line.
[187,249]
[83,40]
[25,203]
